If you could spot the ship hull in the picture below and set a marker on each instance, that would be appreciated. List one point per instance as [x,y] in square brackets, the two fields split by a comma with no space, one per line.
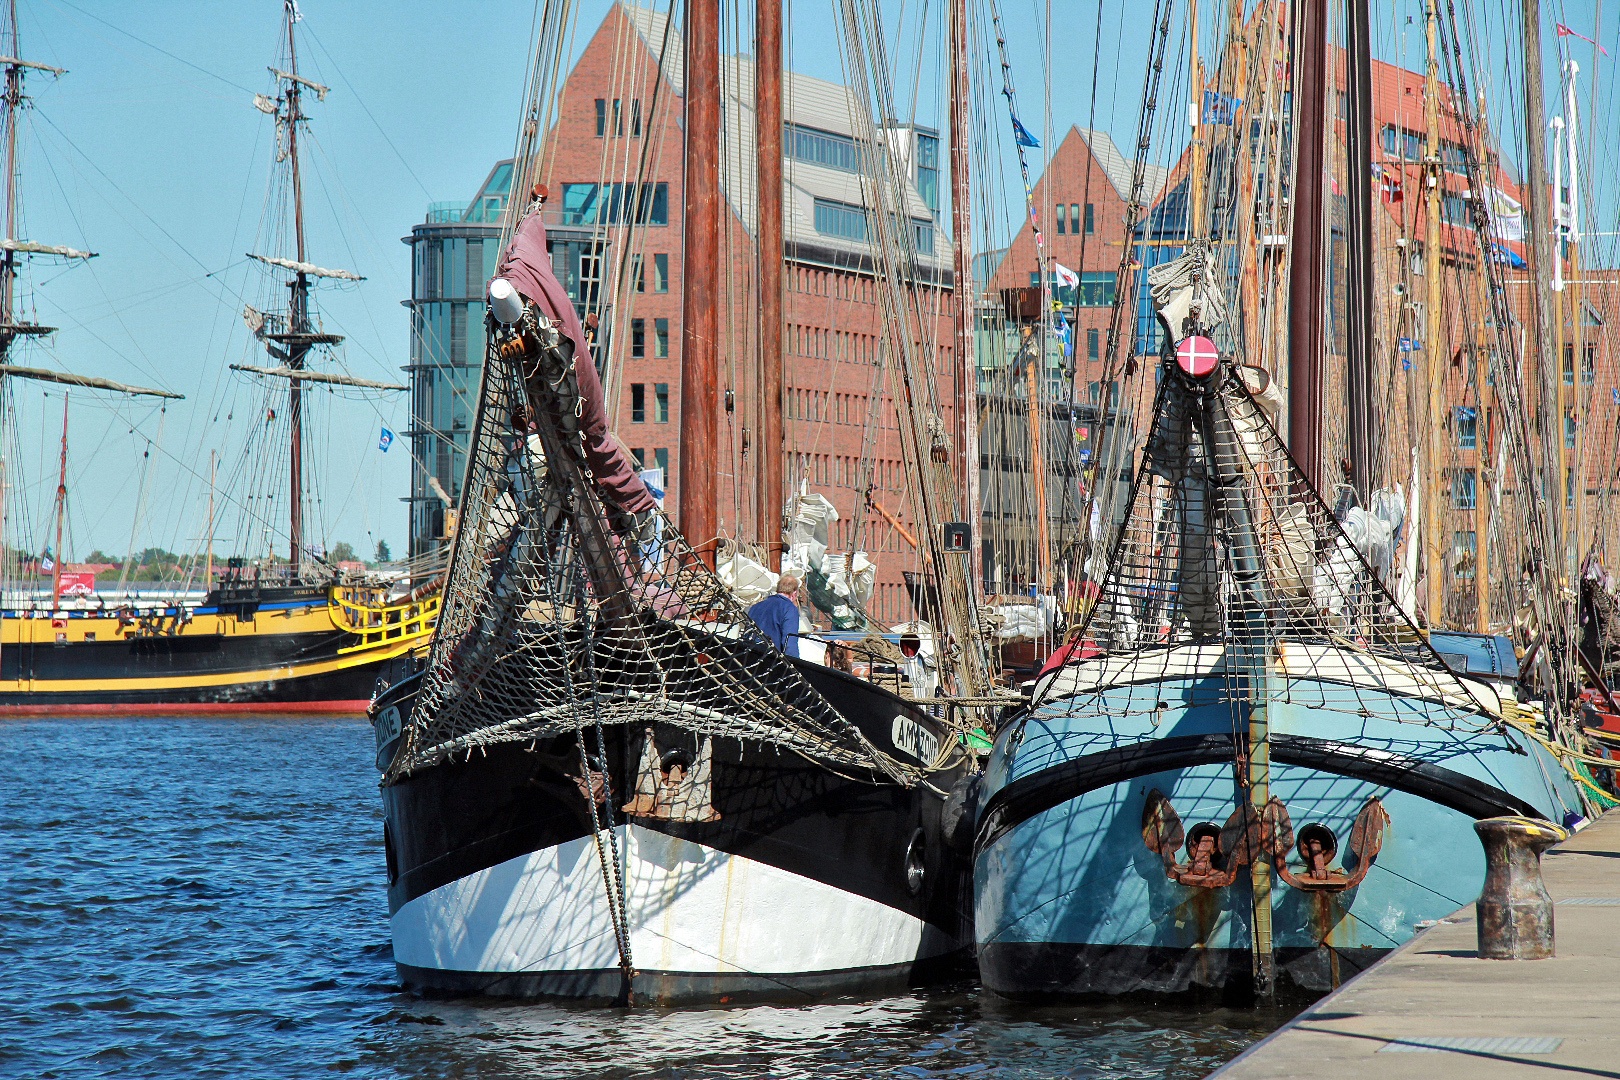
[1071,903]
[282,653]
[805,884]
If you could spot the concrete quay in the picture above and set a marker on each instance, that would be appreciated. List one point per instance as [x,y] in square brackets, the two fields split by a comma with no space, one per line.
[1434,1010]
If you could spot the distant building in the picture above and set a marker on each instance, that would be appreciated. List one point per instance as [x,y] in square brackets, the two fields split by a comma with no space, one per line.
[453,253]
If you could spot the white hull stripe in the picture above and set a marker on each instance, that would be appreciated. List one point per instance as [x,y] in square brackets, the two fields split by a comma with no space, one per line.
[691,909]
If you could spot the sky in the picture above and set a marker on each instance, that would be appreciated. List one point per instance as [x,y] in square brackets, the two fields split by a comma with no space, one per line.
[149,151]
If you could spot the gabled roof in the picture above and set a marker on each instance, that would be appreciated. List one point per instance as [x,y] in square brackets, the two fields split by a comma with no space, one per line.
[1118,168]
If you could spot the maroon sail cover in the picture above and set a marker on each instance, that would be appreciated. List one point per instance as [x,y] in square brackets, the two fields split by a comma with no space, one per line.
[527,265]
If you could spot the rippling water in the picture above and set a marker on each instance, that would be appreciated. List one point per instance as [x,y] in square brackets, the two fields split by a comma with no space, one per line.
[204,897]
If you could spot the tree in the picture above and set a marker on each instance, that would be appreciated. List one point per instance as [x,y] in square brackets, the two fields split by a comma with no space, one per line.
[383,554]
[342,551]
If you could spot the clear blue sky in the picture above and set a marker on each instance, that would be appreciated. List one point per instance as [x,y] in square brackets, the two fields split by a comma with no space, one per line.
[157,160]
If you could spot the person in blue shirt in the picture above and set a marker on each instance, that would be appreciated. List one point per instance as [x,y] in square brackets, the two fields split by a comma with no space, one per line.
[778,615]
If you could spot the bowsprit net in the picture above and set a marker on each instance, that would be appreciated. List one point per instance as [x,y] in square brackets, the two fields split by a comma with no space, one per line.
[561,612]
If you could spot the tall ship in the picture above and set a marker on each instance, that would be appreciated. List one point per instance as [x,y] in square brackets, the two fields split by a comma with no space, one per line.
[301,638]
[606,783]
[1255,767]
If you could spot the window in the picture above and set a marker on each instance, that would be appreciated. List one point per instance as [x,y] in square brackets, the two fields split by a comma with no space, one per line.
[601,117]
[1569,488]
[661,402]
[1465,418]
[638,273]
[660,273]
[1091,219]
[1453,210]
[661,461]
[1092,342]
[618,118]
[1569,429]
[639,456]
[923,233]
[1589,351]
[635,119]
[615,204]
[1462,489]
[822,148]
[840,219]
[638,403]
[1096,289]
[638,338]
[1462,553]
[661,337]
[1062,217]
[1569,364]
[928,170]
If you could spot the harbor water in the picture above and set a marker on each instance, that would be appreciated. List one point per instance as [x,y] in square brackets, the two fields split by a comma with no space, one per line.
[203,896]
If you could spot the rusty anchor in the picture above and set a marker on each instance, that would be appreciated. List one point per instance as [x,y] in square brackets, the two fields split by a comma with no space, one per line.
[1215,854]
[1514,912]
[1316,846]
[673,786]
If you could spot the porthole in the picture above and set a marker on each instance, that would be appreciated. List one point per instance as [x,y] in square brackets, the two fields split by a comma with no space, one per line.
[916,862]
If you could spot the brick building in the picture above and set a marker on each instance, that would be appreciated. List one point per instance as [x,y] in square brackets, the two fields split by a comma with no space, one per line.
[613,165]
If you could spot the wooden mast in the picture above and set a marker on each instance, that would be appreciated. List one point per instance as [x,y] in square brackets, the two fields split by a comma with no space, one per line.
[1360,414]
[1195,173]
[967,379]
[1305,282]
[61,508]
[1482,420]
[769,477]
[699,461]
[298,323]
[1541,257]
[1434,358]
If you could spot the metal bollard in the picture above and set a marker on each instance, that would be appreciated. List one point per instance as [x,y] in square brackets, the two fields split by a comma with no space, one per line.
[1514,912]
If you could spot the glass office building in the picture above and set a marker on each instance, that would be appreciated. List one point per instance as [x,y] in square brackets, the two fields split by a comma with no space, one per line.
[453,254]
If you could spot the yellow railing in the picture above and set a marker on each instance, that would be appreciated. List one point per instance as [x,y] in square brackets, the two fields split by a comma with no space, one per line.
[367,614]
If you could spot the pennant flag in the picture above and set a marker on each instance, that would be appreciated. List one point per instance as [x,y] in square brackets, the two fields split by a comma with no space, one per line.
[46,563]
[1508,257]
[1066,278]
[1021,134]
[1409,345]
[1564,31]
[1392,190]
[1221,108]
[385,440]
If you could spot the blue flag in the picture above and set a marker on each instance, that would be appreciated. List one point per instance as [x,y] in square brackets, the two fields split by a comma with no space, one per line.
[385,440]
[1021,134]
[1221,108]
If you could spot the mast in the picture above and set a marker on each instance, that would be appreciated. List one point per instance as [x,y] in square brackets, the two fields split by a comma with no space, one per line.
[1577,316]
[1195,176]
[8,268]
[1482,429]
[1541,263]
[1433,360]
[208,566]
[1362,420]
[700,268]
[298,323]
[1305,274]
[967,378]
[61,508]
[768,163]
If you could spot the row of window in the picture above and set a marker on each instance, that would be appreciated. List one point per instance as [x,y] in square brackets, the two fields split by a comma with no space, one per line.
[837,470]
[613,122]
[1096,289]
[860,288]
[828,344]
[1070,221]
[638,338]
[660,272]
[850,222]
[658,460]
[638,403]
[1408,145]
[615,204]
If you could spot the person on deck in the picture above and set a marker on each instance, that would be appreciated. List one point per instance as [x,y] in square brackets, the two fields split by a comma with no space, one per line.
[778,615]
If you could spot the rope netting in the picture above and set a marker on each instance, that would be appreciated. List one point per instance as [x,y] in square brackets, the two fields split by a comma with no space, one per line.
[563,612]
[1228,558]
